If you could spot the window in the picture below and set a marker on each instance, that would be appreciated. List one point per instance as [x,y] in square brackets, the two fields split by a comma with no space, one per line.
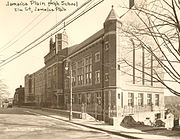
[54,70]
[66,99]
[106,46]
[88,98]
[106,76]
[98,95]
[156,99]
[130,99]
[80,72]
[79,98]
[118,67]
[97,57]
[149,99]
[88,70]
[140,99]
[97,76]
[119,96]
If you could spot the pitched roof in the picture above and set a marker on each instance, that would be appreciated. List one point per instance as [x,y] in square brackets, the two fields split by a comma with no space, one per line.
[112,15]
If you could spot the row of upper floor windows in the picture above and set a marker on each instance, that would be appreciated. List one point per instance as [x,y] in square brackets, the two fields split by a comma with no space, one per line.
[52,71]
[84,79]
[88,59]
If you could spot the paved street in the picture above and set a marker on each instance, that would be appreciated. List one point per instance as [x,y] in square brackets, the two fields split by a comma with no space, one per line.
[19,123]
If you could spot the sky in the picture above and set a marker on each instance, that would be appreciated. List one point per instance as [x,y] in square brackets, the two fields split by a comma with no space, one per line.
[19,28]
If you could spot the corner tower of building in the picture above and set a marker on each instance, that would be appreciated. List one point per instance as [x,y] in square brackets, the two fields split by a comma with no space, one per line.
[111,25]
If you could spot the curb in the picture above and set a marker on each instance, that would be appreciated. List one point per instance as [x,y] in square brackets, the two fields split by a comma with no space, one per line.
[153,129]
[107,131]
[92,127]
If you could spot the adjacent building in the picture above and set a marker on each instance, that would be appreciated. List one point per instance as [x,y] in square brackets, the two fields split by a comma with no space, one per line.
[171,100]
[102,85]
[19,96]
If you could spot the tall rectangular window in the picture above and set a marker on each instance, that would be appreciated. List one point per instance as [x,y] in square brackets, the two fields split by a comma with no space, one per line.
[80,72]
[140,99]
[98,96]
[106,78]
[149,99]
[130,99]
[66,100]
[106,46]
[79,98]
[119,67]
[119,96]
[88,98]
[97,57]
[156,99]
[97,76]
[88,70]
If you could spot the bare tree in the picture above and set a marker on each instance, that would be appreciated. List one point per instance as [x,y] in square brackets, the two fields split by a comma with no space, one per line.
[3,90]
[155,34]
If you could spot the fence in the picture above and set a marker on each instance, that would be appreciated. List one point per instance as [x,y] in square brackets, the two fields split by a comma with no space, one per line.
[93,109]
[126,110]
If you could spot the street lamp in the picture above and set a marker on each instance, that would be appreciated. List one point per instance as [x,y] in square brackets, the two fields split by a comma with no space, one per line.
[70,78]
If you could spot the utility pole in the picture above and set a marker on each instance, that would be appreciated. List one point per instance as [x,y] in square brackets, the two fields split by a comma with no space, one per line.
[70,111]
[69,68]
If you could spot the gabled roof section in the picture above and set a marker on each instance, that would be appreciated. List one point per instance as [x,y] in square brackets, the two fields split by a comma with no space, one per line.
[112,15]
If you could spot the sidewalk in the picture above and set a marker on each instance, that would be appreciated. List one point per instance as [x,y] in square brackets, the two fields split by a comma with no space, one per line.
[116,130]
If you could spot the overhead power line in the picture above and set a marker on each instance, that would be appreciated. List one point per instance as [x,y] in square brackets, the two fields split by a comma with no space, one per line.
[23,51]
[56,25]
[21,37]
[13,41]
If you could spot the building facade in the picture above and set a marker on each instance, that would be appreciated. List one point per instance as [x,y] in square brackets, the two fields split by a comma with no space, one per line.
[19,96]
[102,85]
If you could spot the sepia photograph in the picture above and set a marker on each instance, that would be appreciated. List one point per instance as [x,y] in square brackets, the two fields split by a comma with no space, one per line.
[90,69]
